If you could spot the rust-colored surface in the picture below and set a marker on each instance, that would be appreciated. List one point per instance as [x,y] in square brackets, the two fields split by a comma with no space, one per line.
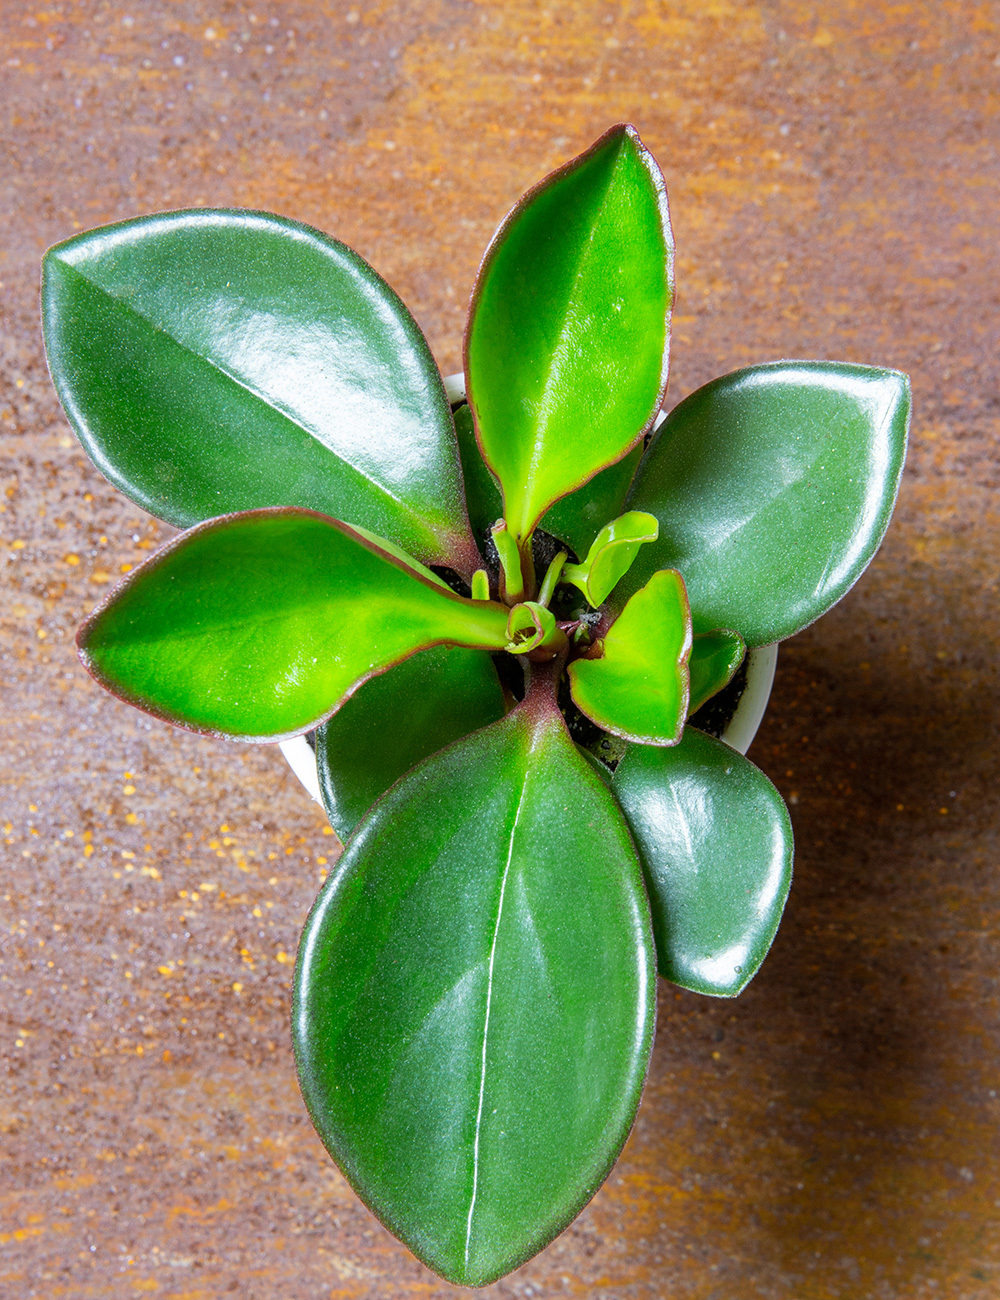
[834,172]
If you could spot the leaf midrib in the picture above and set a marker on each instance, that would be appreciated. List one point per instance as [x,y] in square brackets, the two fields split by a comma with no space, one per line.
[489,999]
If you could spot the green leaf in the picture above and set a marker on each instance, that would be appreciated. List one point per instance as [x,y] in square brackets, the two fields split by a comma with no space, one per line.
[566,349]
[773,487]
[578,518]
[530,626]
[716,846]
[259,625]
[611,555]
[393,721]
[482,495]
[715,657]
[639,688]
[474,997]
[575,519]
[217,361]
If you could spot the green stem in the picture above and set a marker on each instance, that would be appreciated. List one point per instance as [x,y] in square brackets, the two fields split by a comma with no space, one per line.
[551,579]
[510,563]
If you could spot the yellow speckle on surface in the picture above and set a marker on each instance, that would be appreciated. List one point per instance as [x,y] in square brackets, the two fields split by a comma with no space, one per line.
[129,789]
[17,545]
[823,38]
[716,1056]
[41,634]
[131,818]
[127,853]
[100,576]
[257,912]
[71,559]
[88,850]
[283,958]
[126,568]
[165,971]
[237,987]
[327,830]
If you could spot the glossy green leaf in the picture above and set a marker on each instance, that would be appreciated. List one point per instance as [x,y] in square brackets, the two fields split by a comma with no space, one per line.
[716,846]
[639,688]
[773,487]
[715,657]
[258,625]
[566,349]
[575,519]
[474,998]
[217,361]
[482,495]
[393,721]
[611,555]
[578,518]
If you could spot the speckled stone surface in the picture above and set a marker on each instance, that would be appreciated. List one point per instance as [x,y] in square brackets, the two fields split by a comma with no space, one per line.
[834,176]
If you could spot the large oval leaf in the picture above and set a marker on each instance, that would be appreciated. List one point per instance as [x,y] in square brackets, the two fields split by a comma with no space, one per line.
[474,997]
[566,348]
[258,625]
[217,361]
[395,720]
[716,847]
[773,487]
[639,687]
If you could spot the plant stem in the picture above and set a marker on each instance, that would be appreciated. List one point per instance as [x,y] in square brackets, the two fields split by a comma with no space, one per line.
[551,579]
[510,564]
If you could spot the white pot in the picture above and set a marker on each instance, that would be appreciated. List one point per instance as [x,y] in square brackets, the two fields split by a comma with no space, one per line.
[739,731]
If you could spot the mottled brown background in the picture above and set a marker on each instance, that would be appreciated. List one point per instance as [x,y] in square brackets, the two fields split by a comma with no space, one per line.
[833,170]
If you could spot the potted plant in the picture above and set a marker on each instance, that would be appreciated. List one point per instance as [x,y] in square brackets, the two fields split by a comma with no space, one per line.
[500,622]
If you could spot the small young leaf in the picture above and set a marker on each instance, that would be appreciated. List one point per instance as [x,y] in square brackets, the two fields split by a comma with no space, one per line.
[639,689]
[474,998]
[258,625]
[566,349]
[715,657]
[393,721]
[716,847]
[611,555]
[773,487]
[530,626]
[217,361]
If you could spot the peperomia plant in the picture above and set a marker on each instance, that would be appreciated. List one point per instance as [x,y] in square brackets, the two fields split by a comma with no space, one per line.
[500,676]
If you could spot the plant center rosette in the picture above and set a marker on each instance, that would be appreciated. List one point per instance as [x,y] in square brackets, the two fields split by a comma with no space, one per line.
[500,621]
